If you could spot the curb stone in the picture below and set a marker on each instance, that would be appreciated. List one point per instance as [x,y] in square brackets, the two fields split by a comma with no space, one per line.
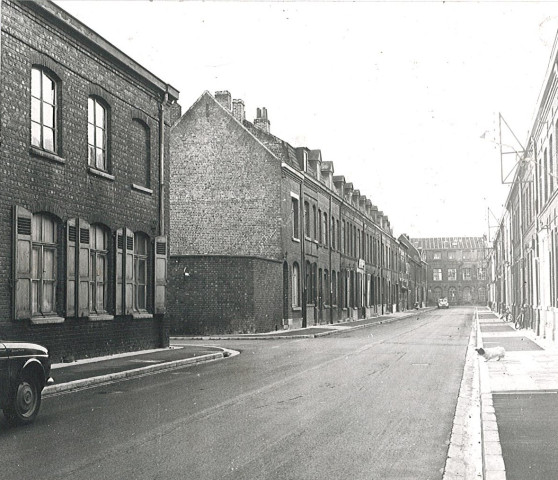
[464,457]
[492,458]
[136,372]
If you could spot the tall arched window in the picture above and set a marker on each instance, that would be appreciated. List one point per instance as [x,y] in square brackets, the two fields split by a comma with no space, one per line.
[141,251]
[142,152]
[334,287]
[44,265]
[43,110]
[99,245]
[97,120]
[296,285]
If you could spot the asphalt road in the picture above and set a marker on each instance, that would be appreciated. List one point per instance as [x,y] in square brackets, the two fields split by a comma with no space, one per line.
[375,403]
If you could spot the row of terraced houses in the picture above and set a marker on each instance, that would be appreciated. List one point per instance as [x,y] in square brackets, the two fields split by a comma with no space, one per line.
[103,250]
[523,265]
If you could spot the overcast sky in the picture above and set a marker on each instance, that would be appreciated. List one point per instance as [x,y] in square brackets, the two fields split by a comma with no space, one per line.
[396,94]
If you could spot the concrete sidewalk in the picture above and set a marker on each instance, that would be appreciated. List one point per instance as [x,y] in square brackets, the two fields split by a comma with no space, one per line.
[519,402]
[313,331]
[85,373]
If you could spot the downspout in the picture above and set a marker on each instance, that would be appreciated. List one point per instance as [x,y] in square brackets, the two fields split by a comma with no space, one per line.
[303,256]
[330,272]
[162,164]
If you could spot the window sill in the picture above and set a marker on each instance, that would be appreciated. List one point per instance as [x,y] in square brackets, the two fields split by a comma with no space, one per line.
[46,320]
[140,315]
[139,188]
[297,309]
[297,240]
[100,317]
[100,173]
[48,155]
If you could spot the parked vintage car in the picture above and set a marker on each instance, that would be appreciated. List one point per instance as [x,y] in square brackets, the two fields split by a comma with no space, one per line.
[443,303]
[24,372]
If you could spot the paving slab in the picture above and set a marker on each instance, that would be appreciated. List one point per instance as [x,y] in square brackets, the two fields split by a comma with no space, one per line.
[527,423]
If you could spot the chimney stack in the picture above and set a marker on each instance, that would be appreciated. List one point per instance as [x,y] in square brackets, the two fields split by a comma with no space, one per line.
[261,120]
[238,110]
[224,98]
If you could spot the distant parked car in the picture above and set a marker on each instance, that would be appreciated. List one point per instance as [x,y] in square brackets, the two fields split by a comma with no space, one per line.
[443,303]
[24,372]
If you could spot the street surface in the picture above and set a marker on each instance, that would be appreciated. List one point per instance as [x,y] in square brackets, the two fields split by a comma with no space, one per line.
[375,403]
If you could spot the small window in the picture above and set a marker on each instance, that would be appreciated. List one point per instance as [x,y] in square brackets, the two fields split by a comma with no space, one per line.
[97,134]
[452,274]
[481,273]
[43,110]
[466,274]
[437,274]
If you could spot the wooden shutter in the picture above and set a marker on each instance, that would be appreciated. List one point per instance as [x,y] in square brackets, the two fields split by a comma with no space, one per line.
[22,263]
[130,271]
[160,270]
[84,268]
[71,262]
[119,272]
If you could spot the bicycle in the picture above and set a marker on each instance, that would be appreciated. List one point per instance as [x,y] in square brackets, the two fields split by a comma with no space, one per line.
[518,321]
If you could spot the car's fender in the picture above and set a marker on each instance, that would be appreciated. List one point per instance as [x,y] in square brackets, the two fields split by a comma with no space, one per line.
[31,366]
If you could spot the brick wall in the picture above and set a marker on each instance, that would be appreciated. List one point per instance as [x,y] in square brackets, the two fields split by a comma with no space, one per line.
[223,294]
[225,188]
[63,186]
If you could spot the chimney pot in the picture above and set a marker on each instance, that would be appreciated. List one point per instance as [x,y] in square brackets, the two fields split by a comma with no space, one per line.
[238,110]
[224,98]
[261,120]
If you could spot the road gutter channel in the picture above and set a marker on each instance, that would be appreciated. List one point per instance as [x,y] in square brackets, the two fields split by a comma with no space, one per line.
[493,467]
[464,459]
[136,372]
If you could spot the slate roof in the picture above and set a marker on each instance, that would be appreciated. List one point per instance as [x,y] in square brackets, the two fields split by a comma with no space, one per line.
[449,243]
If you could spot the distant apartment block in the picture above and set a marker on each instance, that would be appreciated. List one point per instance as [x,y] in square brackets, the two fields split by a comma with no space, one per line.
[456,269]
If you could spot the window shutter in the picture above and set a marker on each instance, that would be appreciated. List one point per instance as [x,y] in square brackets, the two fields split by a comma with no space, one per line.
[119,272]
[23,249]
[160,281]
[71,260]
[130,271]
[84,268]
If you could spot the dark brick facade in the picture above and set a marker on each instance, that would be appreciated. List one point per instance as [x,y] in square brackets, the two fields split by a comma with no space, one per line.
[212,294]
[62,184]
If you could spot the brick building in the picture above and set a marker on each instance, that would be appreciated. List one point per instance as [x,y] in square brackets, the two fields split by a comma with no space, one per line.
[84,202]
[264,236]
[456,269]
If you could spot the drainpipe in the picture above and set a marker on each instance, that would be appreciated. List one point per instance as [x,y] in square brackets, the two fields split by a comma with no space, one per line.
[330,286]
[162,164]
[303,256]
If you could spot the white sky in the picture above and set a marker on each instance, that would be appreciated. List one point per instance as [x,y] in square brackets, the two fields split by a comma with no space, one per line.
[396,94]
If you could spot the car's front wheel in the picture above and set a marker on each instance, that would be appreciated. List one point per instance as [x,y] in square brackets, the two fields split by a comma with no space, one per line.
[25,402]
